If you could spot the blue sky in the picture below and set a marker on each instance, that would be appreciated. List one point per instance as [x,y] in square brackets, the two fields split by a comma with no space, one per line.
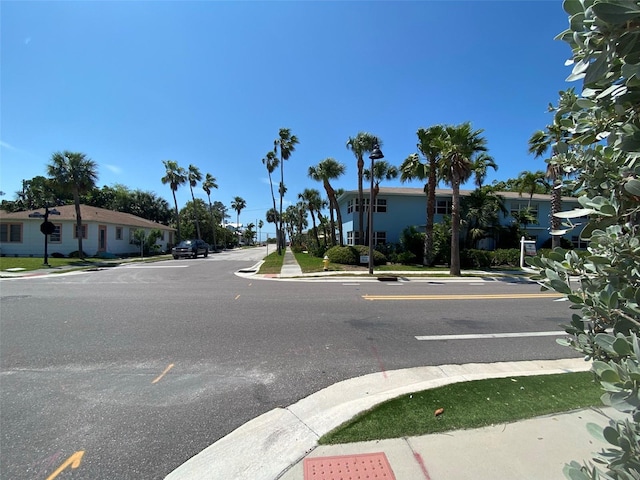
[210,83]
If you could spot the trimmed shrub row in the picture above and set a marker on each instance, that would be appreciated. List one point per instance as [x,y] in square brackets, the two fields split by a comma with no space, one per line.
[350,255]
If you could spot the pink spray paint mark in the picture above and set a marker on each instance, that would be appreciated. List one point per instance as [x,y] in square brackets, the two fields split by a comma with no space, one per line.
[380,364]
[423,467]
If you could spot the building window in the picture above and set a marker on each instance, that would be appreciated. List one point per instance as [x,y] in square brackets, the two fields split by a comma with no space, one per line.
[379,238]
[83,230]
[56,236]
[11,233]
[353,238]
[118,233]
[443,207]
[381,205]
[517,207]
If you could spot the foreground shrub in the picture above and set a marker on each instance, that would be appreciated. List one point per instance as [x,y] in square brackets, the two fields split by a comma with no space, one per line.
[379,258]
[472,258]
[346,255]
[350,255]
[506,256]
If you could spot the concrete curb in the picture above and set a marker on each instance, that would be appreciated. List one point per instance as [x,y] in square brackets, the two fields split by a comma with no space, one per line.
[281,437]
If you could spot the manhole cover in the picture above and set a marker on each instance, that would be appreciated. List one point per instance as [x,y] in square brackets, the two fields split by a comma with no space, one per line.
[348,467]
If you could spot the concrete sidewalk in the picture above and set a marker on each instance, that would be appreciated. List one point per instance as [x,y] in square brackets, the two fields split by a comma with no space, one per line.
[281,443]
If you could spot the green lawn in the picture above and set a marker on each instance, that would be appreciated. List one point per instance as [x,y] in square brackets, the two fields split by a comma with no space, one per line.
[272,264]
[470,405]
[36,263]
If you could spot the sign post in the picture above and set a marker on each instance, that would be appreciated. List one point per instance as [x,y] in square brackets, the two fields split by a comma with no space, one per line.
[528,248]
[47,228]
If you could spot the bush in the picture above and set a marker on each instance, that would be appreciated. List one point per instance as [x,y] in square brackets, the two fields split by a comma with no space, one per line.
[317,250]
[350,255]
[379,258]
[472,258]
[506,256]
[344,255]
[413,241]
[75,254]
[57,255]
[406,258]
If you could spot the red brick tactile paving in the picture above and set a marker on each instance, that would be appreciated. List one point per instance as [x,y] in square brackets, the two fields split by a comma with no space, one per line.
[368,466]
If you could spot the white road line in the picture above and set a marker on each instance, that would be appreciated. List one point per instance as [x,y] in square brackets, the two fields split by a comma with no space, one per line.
[350,284]
[490,335]
[156,266]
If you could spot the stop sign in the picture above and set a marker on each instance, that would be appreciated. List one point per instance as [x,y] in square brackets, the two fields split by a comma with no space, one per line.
[47,228]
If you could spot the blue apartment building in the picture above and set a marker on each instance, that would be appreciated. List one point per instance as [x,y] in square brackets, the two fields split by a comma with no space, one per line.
[399,208]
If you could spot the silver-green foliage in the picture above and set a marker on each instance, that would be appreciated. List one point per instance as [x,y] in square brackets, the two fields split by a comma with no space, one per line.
[602,150]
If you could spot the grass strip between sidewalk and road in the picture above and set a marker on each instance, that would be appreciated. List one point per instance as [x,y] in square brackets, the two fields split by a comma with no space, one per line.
[272,263]
[469,405]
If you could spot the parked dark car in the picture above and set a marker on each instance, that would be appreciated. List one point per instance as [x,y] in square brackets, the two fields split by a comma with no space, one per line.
[190,248]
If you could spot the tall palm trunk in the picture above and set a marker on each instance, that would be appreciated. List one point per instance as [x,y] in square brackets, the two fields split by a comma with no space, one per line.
[331,193]
[213,224]
[275,209]
[175,201]
[556,206]
[454,268]
[361,229]
[76,201]
[431,210]
[195,213]
[315,230]
[281,229]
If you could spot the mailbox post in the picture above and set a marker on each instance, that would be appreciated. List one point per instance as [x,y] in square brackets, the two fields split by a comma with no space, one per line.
[47,228]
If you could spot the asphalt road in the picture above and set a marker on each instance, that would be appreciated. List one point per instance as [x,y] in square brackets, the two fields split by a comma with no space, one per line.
[141,367]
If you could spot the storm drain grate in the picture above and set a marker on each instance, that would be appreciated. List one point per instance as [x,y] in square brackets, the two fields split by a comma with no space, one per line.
[368,466]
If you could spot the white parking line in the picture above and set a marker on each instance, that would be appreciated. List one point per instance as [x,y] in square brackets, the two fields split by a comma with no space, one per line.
[490,335]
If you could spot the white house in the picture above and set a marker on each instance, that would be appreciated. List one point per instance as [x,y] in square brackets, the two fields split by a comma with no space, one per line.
[103,231]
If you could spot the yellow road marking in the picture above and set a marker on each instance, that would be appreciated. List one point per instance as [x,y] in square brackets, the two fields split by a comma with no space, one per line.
[73,461]
[463,297]
[166,370]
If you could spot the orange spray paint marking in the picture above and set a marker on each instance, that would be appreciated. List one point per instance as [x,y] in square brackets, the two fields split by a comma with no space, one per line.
[73,461]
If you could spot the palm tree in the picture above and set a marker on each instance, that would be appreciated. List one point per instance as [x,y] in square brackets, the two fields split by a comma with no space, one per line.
[286,144]
[249,234]
[74,172]
[209,183]
[539,143]
[174,176]
[480,212]
[382,170]
[480,165]
[260,225]
[238,205]
[430,145]
[271,162]
[330,169]
[312,199]
[555,138]
[360,145]
[531,182]
[193,177]
[462,144]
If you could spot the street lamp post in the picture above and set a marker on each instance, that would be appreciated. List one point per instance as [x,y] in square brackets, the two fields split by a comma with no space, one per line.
[47,228]
[376,154]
